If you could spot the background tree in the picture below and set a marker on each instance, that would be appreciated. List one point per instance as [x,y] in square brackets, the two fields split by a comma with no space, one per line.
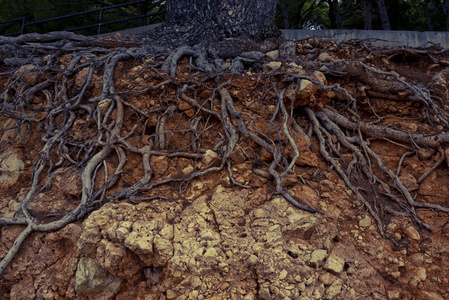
[383,14]
[443,6]
[335,15]
[284,14]
[367,14]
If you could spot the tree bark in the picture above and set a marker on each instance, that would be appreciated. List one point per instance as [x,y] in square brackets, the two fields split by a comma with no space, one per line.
[335,17]
[429,26]
[284,14]
[444,7]
[367,15]
[233,17]
[383,14]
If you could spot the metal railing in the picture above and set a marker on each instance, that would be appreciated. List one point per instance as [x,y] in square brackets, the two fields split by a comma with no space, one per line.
[100,24]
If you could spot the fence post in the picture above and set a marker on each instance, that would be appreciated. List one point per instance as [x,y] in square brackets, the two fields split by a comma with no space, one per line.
[101,19]
[22,29]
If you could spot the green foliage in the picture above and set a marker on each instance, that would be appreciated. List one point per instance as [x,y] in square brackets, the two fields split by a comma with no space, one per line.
[304,14]
[403,14]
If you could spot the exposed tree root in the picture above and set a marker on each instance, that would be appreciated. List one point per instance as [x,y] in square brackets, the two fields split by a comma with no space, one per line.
[192,114]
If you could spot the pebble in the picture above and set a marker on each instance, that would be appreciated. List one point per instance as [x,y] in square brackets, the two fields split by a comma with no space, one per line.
[324,57]
[273,54]
[283,274]
[365,222]
[327,278]
[253,260]
[393,295]
[334,264]
[395,275]
[318,257]
[426,295]
[421,273]
[334,289]
[274,65]
[171,294]
[412,233]
[417,259]
[426,154]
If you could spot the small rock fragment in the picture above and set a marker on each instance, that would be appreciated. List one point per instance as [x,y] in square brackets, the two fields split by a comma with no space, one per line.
[413,127]
[327,278]
[426,154]
[195,282]
[29,76]
[421,273]
[209,156]
[396,274]
[393,295]
[365,222]
[426,295]
[417,259]
[319,76]
[318,257]
[171,294]
[334,264]
[273,54]
[253,260]
[334,289]
[283,274]
[274,65]
[184,105]
[412,233]
[409,181]
[324,57]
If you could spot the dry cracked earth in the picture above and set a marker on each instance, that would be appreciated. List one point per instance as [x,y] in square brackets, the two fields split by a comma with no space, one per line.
[211,239]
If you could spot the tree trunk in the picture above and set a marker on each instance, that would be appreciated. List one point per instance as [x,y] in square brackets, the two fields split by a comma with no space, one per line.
[429,26]
[338,16]
[335,17]
[284,14]
[233,17]
[383,14]
[367,15]
[444,7]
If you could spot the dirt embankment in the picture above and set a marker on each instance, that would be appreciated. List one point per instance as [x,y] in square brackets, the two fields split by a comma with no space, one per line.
[225,233]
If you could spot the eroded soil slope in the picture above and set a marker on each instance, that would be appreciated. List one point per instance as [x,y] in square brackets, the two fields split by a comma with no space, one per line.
[207,224]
